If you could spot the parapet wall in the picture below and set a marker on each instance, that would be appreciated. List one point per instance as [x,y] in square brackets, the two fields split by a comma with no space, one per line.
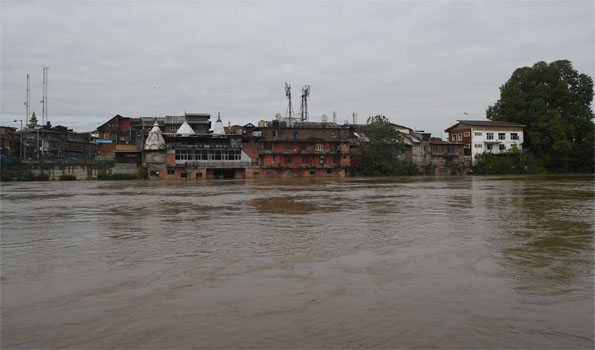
[54,170]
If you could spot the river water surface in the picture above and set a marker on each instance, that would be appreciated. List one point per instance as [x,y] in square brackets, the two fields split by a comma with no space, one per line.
[482,262]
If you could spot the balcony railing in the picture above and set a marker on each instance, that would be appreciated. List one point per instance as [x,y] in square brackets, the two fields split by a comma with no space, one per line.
[215,163]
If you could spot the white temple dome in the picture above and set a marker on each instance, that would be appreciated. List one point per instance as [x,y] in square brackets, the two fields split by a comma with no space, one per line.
[155,141]
[185,129]
[218,129]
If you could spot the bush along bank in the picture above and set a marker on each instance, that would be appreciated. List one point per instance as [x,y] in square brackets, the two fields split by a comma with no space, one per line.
[507,163]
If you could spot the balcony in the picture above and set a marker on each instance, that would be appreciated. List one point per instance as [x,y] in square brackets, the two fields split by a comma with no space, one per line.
[215,163]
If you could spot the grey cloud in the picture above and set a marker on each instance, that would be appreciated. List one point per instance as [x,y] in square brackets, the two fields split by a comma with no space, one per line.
[421,63]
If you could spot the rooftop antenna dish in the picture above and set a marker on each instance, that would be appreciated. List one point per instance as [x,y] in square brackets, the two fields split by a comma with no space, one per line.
[288,95]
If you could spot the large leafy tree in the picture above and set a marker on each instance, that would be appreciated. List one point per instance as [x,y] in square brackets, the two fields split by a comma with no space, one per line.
[554,101]
[382,151]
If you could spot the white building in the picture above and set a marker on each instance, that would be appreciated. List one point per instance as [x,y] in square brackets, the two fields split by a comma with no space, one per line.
[481,136]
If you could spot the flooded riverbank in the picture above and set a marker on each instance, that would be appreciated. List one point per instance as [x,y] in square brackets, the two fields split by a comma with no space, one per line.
[480,262]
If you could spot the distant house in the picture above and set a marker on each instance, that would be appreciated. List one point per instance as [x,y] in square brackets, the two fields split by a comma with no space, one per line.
[480,136]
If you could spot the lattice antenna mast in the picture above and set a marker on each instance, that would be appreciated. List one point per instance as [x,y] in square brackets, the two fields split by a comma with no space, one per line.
[44,95]
[27,102]
[288,94]
[354,115]
[304,106]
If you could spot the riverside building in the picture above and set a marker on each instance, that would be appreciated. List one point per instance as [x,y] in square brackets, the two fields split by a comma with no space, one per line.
[480,136]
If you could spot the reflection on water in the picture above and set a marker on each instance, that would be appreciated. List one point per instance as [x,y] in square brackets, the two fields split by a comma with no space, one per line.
[483,262]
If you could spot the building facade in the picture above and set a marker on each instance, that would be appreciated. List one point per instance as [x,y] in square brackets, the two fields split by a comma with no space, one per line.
[304,149]
[480,136]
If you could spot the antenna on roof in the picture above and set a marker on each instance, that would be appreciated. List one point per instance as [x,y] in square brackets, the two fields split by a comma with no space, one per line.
[44,95]
[288,94]
[27,103]
[304,105]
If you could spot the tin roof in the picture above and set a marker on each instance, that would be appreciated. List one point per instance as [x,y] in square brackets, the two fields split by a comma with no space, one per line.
[485,123]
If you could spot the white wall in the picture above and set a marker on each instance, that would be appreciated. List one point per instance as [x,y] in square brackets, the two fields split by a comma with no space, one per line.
[508,142]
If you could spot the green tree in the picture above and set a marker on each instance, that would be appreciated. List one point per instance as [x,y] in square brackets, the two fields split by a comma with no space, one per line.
[382,152]
[554,102]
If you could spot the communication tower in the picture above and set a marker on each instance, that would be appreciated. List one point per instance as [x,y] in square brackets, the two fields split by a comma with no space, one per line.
[288,95]
[44,95]
[27,102]
[304,105]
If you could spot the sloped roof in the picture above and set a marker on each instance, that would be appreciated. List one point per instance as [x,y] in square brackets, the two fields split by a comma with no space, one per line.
[185,129]
[486,123]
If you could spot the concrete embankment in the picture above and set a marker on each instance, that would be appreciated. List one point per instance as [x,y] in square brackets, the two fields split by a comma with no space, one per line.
[67,170]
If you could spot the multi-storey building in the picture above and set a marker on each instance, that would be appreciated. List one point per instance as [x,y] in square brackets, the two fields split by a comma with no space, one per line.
[9,142]
[481,136]
[304,149]
[277,149]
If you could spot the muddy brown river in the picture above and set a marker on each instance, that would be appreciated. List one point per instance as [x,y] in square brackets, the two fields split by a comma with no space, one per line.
[468,262]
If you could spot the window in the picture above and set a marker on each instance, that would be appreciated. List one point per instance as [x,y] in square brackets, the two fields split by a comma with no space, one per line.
[184,175]
[198,175]
[502,147]
[170,171]
[514,136]
[454,137]
[460,136]
[478,145]
[501,136]
[478,133]
[467,134]
[329,171]
[489,135]
[318,147]
[489,146]
[268,146]
[275,133]
[467,145]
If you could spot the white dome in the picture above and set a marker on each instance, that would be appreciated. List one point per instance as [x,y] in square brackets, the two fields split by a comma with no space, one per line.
[219,129]
[185,129]
[155,141]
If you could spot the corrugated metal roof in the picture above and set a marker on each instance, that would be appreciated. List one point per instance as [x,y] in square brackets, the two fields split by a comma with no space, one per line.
[487,123]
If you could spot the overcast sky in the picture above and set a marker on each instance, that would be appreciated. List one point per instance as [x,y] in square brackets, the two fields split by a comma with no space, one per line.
[421,63]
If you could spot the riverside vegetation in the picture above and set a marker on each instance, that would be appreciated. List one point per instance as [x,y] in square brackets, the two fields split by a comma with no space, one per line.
[554,102]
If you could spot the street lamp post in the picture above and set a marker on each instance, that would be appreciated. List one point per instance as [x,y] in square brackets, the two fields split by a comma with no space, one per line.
[21,148]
